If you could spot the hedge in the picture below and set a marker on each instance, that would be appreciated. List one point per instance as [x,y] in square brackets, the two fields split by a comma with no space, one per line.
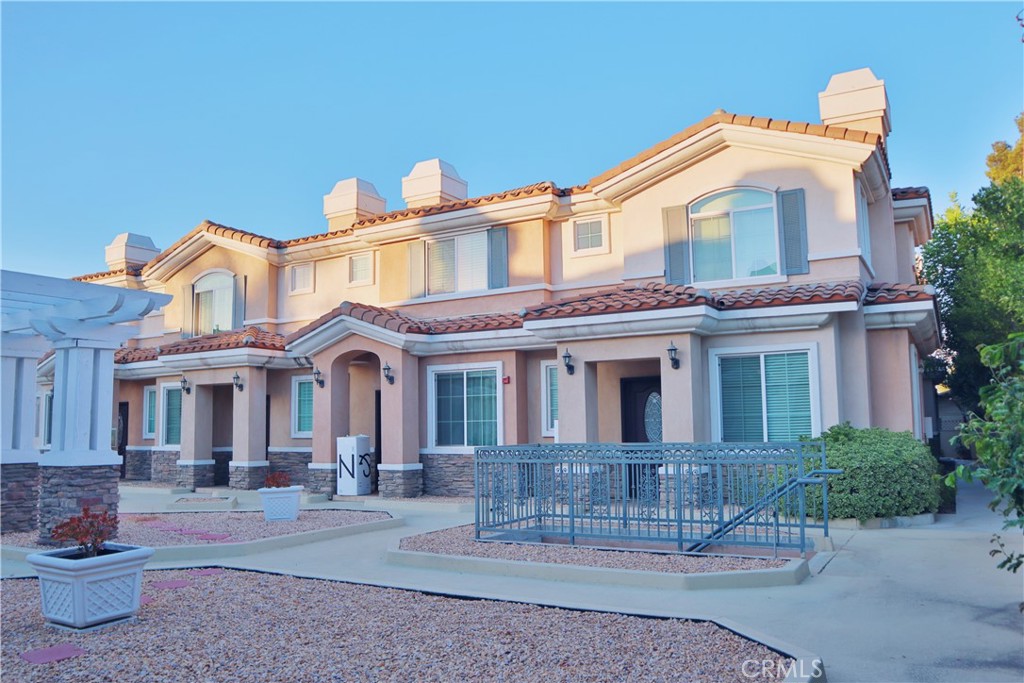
[885,474]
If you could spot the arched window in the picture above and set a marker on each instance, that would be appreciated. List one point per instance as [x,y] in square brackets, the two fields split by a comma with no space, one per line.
[213,298]
[734,235]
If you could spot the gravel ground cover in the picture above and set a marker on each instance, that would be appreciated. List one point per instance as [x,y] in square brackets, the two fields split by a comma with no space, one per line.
[199,528]
[247,627]
[459,541]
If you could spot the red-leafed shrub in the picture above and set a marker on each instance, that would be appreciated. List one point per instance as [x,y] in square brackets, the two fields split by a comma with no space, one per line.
[278,480]
[89,530]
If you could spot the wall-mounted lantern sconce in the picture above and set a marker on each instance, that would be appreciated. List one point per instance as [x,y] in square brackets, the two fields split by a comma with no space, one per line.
[567,359]
[185,385]
[673,355]
[318,377]
[387,373]
[237,381]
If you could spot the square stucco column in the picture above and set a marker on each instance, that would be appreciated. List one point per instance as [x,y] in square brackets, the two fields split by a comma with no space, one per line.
[19,478]
[577,402]
[195,466]
[683,401]
[249,465]
[330,420]
[401,473]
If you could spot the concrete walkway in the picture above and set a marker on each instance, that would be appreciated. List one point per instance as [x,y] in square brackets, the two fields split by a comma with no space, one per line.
[915,604]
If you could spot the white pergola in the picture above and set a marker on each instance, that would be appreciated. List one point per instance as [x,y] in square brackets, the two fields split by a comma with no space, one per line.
[84,324]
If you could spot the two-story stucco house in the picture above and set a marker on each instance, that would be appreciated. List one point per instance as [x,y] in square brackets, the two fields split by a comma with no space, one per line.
[748,279]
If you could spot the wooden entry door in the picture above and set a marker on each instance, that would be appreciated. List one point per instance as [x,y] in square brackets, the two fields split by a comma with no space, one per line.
[641,423]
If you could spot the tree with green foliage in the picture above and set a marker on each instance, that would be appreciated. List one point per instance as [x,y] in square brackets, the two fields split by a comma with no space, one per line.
[998,439]
[975,259]
[1007,162]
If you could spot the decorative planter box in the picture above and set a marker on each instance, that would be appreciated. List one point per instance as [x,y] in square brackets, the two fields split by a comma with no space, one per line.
[90,591]
[281,504]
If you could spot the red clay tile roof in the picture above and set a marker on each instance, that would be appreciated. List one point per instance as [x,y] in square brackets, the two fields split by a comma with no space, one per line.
[220,230]
[818,293]
[835,132]
[899,193]
[135,355]
[406,324]
[251,337]
[545,187]
[885,293]
[130,270]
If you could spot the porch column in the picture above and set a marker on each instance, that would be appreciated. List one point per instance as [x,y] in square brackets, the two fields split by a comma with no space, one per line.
[683,403]
[249,465]
[401,473]
[330,420]
[19,477]
[81,469]
[195,466]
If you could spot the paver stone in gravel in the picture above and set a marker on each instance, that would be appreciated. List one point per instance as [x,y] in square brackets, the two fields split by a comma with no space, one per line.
[45,655]
[146,599]
[169,585]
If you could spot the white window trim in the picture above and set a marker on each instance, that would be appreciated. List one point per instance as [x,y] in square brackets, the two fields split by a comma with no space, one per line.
[433,239]
[915,393]
[292,291]
[545,430]
[43,441]
[373,269]
[432,371]
[715,380]
[296,379]
[146,391]
[605,247]
[162,410]
[864,227]
[780,276]
[195,293]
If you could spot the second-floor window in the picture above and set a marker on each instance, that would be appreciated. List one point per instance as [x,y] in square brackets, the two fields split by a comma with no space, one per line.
[457,264]
[734,236]
[212,307]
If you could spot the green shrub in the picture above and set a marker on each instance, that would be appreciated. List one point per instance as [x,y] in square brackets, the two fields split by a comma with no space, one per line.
[885,474]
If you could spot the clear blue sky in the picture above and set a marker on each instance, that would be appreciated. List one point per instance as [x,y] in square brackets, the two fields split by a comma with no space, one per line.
[151,117]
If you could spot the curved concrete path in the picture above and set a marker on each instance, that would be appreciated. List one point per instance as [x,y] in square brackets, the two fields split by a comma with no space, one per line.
[917,604]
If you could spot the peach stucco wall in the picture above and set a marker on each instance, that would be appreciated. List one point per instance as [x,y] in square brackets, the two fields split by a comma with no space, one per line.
[891,398]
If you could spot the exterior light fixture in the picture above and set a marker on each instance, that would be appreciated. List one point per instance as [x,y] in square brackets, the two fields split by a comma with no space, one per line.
[237,381]
[387,373]
[185,385]
[673,356]
[318,377]
[567,359]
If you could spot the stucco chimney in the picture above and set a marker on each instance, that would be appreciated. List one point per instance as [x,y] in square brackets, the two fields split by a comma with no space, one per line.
[351,200]
[432,182]
[129,249]
[856,99]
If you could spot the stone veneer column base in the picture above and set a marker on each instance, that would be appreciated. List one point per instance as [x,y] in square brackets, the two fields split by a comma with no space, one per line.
[247,478]
[400,483]
[322,480]
[164,466]
[295,463]
[194,476]
[138,464]
[64,491]
[19,497]
[447,475]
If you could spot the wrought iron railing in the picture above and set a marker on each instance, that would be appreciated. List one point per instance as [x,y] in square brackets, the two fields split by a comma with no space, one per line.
[681,496]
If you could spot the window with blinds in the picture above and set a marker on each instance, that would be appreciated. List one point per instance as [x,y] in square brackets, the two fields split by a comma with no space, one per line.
[465,407]
[300,280]
[172,416]
[765,397]
[213,303]
[302,407]
[457,264]
[549,398]
[149,413]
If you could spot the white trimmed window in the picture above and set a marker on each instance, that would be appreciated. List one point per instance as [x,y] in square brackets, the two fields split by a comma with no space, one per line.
[734,235]
[300,278]
[46,420]
[213,302]
[590,236]
[464,406]
[149,413]
[360,269]
[302,407]
[764,395]
[457,264]
[549,398]
[171,410]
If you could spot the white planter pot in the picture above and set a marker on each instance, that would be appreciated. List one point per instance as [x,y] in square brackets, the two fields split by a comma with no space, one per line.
[281,504]
[92,590]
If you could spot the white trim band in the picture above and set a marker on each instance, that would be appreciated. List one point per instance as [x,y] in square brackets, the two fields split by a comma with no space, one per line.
[249,463]
[195,463]
[404,467]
